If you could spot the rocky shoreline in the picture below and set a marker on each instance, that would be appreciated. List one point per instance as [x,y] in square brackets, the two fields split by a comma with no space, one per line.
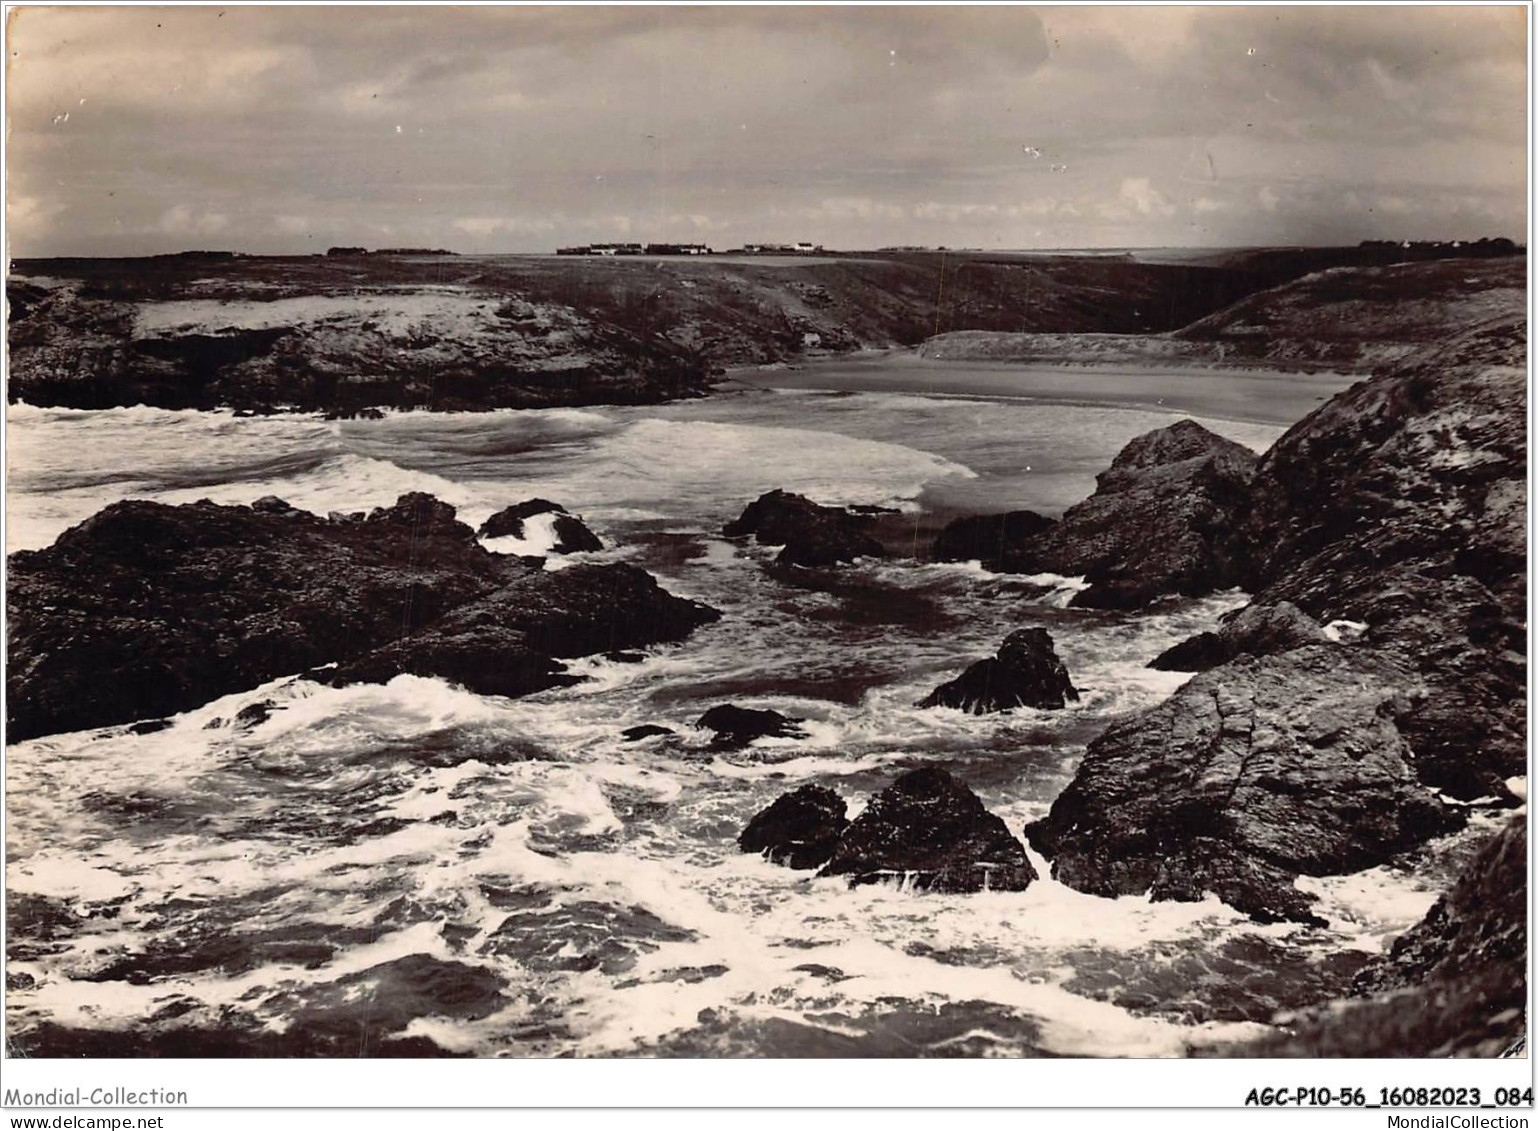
[145,610]
[1369,697]
[348,335]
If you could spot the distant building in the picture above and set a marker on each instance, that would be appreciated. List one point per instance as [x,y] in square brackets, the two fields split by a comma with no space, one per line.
[802,248]
[677,249]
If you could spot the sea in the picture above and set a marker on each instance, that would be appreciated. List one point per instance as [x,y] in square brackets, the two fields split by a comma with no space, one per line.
[495,877]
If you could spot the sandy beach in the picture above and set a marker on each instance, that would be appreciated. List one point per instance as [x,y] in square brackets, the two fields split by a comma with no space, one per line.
[1252,395]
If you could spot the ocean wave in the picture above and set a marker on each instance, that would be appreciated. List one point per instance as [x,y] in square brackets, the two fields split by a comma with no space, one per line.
[709,471]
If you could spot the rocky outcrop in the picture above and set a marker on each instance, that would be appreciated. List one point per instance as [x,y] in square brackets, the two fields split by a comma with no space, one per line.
[144,609]
[1255,630]
[505,643]
[571,536]
[812,535]
[1025,673]
[1247,777]
[230,338]
[1161,521]
[987,538]
[1399,504]
[799,829]
[736,727]
[928,831]
[1477,926]
[643,732]
[1454,985]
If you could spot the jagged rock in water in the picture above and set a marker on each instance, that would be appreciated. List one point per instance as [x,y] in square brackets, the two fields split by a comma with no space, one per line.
[571,536]
[645,731]
[987,538]
[505,642]
[145,610]
[1247,777]
[1453,985]
[1399,504]
[799,829]
[1255,630]
[812,535]
[1161,521]
[736,726]
[931,832]
[1026,673]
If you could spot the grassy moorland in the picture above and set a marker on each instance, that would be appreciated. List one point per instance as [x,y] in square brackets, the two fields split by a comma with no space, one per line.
[1346,319]
[342,333]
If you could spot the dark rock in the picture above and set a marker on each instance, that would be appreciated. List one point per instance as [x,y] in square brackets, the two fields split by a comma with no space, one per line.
[799,829]
[253,714]
[571,536]
[485,659]
[146,610]
[987,538]
[1026,673]
[504,642]
[508,522]
[1161,521]
[1478,925]
[812,535]
[929,830]
[150,726]
[1255,630]
[1248,776]
[423,516]
[625,657]
[1401,503]
[271,504]
[649,730]
[736,726]
[1454,985]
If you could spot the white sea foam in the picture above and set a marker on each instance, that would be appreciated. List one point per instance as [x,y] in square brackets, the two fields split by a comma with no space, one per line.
[539,538]
[345,801]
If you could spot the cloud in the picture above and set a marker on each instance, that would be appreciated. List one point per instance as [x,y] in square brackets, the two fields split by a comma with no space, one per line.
[183,220]
[30,214]
[538,126]
[1138,194]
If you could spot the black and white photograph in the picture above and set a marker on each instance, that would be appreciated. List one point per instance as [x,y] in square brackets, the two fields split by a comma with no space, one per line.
[741,532]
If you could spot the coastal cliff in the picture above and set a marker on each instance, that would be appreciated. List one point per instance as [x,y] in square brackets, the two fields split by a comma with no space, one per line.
[1348,319]
[1396,508]
[346,333]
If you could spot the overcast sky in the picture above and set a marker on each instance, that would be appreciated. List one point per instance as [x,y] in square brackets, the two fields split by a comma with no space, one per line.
[143,130]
